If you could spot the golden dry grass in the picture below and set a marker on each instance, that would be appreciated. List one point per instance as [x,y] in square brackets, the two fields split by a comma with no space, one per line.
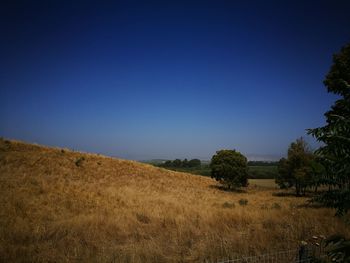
[56,209]
[266,183]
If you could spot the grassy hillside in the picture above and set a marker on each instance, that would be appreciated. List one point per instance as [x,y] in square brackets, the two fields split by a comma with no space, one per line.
[64,206]
[201,170]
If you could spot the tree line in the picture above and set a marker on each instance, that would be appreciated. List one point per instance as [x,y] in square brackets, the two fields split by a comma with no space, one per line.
[261,163]
[178,163]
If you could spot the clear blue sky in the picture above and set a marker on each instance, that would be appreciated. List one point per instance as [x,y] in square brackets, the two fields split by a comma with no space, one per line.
[167,79]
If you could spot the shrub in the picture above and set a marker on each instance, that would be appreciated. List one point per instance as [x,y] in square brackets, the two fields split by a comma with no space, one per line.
[228,205]
[143,218]
[79,161]
[243,202]
[276,206]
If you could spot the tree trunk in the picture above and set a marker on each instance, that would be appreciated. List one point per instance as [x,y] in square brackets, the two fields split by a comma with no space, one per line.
[297,188]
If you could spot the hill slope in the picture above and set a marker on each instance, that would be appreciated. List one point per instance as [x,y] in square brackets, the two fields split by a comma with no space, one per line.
[59,205]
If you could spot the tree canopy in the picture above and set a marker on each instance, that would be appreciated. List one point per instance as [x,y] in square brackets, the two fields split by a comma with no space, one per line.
[177,163]
[335,135]
[297,169]
[230,168]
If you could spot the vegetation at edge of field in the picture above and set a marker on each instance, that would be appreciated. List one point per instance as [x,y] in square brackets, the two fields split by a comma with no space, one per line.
[254,172]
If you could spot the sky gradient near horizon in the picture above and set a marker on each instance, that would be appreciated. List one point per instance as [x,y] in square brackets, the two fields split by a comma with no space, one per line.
[167,79]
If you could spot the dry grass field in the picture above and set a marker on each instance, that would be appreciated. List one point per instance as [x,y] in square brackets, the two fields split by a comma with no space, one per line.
[62,206]
[265,183]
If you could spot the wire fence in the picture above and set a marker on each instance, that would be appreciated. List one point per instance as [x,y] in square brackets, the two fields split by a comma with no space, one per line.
[280,256]
[303,254]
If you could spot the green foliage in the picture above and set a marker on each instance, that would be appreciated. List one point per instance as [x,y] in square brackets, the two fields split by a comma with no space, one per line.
[194,163]
[297,170]
[167,164]
[335,198]
[256,169]
[284,178]
[193,166]
[338,248]
[177,163]
[262,163]
[230,168]
[335,135]
[262,172]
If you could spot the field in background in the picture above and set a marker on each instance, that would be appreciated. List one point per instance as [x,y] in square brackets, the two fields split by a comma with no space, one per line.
[64,206]
[265,183]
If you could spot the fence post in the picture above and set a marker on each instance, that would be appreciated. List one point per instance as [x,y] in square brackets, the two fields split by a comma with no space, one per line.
[303,252]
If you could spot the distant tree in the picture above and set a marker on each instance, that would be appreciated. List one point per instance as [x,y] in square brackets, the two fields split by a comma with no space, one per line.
[177,163]
[284,177]
[185,163]
[262,163]
[194,163]
[335,135]
[167,163]
[296,170]
[230,168]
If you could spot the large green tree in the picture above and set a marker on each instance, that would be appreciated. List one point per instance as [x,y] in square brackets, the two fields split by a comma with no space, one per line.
[230,168]
[335,135]
[297,170]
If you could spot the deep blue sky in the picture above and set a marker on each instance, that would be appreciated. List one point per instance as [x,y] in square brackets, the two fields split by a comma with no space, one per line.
[167,79]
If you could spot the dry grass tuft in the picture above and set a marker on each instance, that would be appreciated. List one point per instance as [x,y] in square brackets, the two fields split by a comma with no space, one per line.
[53,209]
